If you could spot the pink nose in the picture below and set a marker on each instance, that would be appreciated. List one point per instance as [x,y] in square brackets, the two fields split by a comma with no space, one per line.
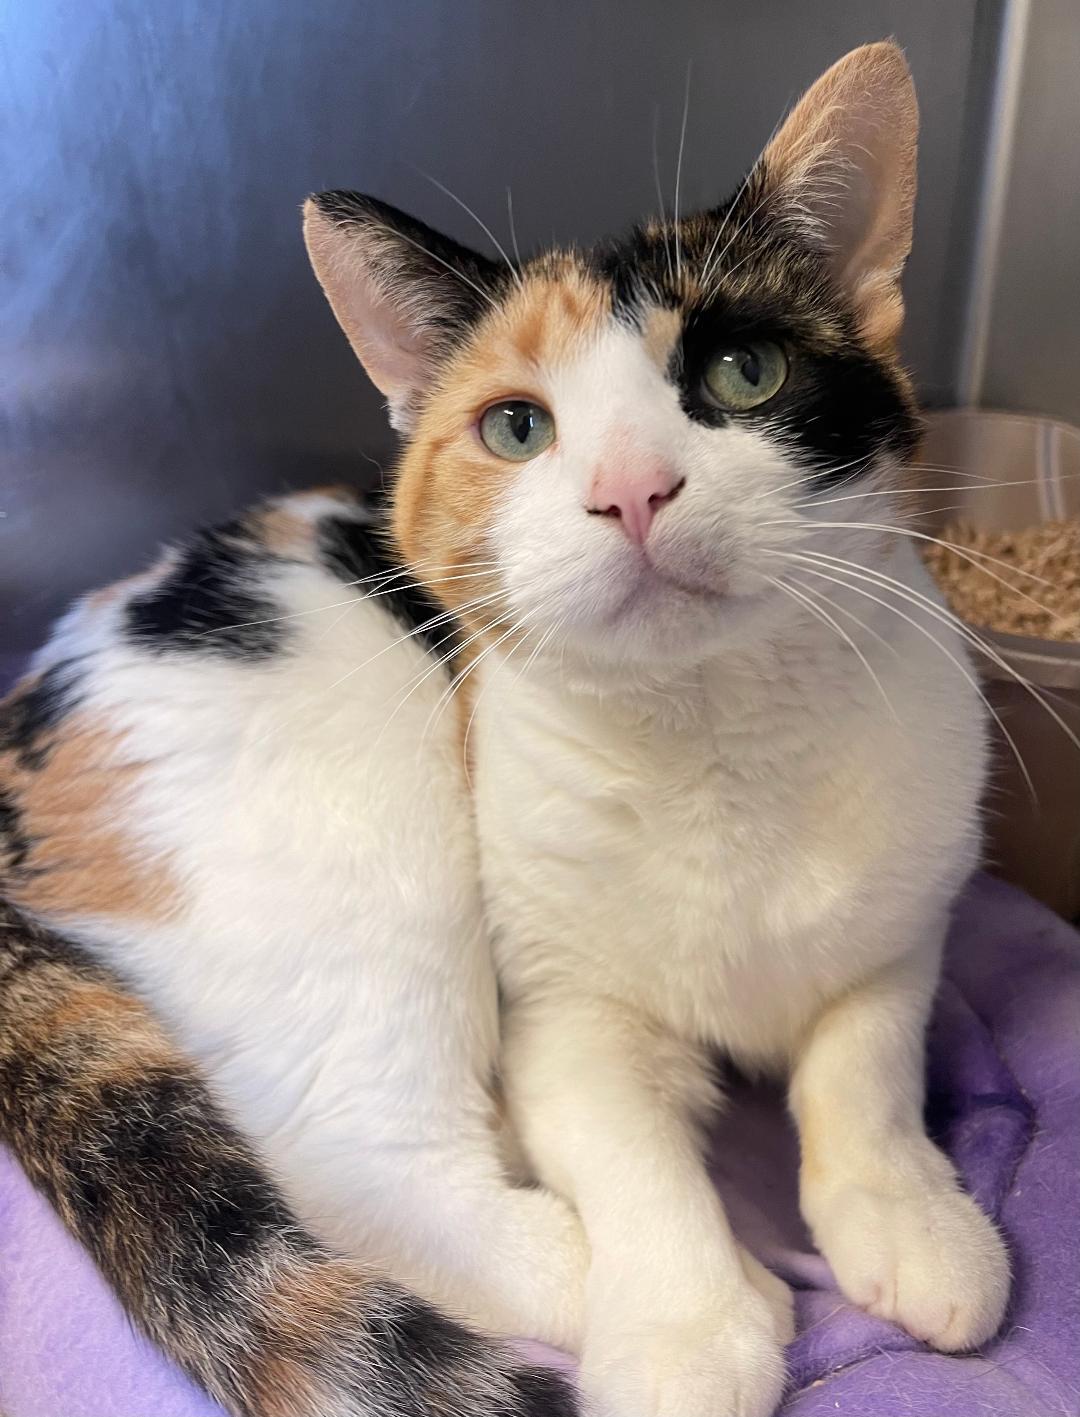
[634,495]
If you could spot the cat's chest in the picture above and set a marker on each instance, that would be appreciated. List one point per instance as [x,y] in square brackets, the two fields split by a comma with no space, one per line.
[705,883]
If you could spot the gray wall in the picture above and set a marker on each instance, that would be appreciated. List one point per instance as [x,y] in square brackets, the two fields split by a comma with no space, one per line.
[1031,358]
[165,352]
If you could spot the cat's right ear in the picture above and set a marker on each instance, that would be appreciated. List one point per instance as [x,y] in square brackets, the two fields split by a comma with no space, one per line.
[402,293]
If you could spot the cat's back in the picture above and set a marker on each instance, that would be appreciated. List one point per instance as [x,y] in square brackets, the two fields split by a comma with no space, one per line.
[224,773]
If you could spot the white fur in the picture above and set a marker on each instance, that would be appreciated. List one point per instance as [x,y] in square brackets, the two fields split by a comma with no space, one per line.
[702,826]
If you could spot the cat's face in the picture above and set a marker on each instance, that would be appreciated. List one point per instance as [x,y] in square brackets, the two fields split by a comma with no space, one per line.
[616,447]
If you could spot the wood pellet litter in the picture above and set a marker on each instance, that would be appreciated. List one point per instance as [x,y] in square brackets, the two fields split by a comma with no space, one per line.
[1050,551]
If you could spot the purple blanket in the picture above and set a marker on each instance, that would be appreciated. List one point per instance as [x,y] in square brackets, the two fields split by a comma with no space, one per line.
[1004,1100]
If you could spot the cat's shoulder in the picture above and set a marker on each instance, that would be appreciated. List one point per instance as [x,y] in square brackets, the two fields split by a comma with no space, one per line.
[221,592]
[228,593]
[224,591]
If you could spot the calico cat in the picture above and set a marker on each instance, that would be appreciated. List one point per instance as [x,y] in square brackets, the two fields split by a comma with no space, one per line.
[656,709]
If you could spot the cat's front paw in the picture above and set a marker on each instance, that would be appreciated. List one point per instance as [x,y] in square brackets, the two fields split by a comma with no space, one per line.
[927,1259]
[727,1362]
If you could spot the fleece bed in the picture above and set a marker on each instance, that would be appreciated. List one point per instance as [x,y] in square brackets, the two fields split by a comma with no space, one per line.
[1004,1100]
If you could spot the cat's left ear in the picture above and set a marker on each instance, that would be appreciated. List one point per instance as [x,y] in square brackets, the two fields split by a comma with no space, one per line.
[844,165]
[401,292]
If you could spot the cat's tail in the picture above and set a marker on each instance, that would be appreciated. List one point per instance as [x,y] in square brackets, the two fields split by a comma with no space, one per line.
[119,1131]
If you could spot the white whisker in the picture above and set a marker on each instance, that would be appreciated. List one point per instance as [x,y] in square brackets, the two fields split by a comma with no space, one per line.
[427,671]
[805,478]
[895,491]
[513,228]
[945,615]
[935,511]
[815,569]
[448,693]
[481,224]
[336,621]
[383,577]
[827,619]
[278,619]
[850,614]
[442,618]
[426,583]
[660,191]
[716,261]
[678,170]
[955,472]
[431,256]
[967,553]
[536,650]
[706,265]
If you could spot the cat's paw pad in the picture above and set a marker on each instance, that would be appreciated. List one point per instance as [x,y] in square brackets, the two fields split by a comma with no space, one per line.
[928,1260]
[727,1363]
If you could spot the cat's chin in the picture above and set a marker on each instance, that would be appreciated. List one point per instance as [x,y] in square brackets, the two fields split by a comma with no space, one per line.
[660,578]
[663,619]
[670,609]
[649,585]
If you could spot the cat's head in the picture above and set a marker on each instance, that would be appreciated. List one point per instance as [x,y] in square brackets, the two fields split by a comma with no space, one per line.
[622,445]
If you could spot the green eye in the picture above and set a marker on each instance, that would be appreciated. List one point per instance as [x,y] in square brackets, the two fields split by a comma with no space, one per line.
[744,376]
[517,429]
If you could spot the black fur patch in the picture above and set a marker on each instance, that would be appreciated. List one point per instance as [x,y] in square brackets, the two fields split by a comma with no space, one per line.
[752,276]
[414,1336]
[838,409]
[538,1392]
[415,1327]
[355,552]
[406,251]
[29,714]
[15,845]
[24,945]
[154,1146]
[210,603]
[639,270]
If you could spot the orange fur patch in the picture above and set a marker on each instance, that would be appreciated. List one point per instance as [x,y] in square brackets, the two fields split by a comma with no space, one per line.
[283,1388]
[464,703]
[126,1041]
[336,491]
[307,1308]
[312,1296]
[131,585]
[282,532]
[108,595]
[71,809]
[448,483]
[287,526]
[660,334]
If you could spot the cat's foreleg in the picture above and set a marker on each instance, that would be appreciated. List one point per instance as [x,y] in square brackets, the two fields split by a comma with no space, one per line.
[608,1105]
[884,1204]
